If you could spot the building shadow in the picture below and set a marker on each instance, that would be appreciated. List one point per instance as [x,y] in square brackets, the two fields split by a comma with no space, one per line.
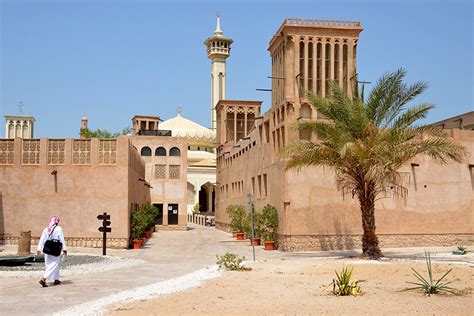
[2,220]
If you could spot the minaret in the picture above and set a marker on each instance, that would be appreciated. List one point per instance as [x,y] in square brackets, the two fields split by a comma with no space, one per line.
[84,122]
[218,49]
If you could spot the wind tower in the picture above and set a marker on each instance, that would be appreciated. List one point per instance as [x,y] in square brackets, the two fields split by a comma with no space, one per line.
[218,49]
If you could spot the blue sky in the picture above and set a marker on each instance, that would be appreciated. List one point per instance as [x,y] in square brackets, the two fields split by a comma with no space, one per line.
[111,59]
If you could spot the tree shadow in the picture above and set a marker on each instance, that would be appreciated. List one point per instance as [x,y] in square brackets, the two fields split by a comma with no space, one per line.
[342,239]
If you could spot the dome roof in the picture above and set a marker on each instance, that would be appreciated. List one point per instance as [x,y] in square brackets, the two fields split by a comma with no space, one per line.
[183,127]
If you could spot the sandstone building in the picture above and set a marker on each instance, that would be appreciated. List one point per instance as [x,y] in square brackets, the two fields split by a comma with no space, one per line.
[307,54]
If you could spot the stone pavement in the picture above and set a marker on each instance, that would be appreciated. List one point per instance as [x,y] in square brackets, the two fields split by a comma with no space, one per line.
[166,255]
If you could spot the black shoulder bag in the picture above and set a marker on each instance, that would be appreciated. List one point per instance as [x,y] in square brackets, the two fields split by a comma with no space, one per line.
[52,247]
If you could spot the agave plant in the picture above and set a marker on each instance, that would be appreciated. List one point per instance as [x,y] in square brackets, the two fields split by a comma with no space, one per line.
[343,285]
[427,285]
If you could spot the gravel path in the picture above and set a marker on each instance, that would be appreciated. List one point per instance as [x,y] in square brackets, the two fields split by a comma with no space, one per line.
[72,265]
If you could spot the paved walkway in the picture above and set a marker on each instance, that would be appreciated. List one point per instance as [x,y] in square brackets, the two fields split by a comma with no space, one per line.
[166,255]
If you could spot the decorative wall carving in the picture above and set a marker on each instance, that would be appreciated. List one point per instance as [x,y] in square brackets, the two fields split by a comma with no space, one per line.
[174,171]
[31,152]
[6,151]
[160,171]
[81,152]
[56,151]
[107,151]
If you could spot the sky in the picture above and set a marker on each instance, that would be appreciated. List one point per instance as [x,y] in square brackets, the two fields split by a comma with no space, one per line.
[111,60]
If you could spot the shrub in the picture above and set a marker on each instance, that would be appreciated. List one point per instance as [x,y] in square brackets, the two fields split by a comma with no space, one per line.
[138,222]
[150,213]
[236,214]
[257,225]
[230,262]
[142,219]
[343,285]
[269,222]
[196,209]
[463,250]
[427,285]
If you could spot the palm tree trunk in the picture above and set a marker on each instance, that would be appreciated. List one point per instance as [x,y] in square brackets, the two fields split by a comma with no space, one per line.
[370,242]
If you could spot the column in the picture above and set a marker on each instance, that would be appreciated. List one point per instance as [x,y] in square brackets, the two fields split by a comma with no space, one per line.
[209,198]
[350,66]
[7,126]
[197,187]
[14,129]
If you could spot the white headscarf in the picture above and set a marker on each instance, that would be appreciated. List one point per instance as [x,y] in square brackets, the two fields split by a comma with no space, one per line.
[53,221]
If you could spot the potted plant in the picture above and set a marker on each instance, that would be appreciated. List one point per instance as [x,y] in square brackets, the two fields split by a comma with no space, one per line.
[270,225]
[138,225]
[236,214]
[257,227]
[149,217]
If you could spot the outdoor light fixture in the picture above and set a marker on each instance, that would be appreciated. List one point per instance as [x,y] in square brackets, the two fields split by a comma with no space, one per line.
[54,172]
[140,179]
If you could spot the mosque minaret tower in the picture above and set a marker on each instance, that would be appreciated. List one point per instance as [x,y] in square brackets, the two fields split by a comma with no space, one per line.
[218,49]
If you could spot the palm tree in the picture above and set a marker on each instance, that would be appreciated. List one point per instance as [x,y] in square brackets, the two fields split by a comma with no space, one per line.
[366,141]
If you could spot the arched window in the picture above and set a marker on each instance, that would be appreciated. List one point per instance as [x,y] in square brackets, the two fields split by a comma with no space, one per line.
[160,151]
[175,152]
[146,151]
[305,111]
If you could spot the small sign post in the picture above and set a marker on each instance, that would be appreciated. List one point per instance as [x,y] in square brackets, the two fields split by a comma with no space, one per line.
[104,229]
[250,202]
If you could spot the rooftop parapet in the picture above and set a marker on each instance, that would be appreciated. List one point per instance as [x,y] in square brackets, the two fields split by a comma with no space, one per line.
[316,23]
[321,23]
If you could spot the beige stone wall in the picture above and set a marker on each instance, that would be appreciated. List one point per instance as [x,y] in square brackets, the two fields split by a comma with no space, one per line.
[440,200]
[167,175]
[92,177]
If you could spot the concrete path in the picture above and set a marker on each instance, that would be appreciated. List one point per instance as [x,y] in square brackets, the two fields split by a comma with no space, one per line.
[166,255]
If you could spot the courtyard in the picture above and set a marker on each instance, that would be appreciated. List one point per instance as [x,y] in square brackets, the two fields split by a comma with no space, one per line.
[175,273]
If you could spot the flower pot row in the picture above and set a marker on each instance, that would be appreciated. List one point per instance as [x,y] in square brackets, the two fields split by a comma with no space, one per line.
[137,244]
[268,245]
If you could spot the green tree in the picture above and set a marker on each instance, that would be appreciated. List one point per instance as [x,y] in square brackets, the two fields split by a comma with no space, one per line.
[102,133]
[365,141]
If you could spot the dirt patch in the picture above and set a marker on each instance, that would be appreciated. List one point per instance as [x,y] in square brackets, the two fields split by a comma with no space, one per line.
[295,286]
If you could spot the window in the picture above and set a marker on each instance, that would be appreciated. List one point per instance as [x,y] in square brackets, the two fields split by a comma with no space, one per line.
[318,69]
[310,66]
[301,74]
[259,185]
[160,171]
[175,152]
[230,127]
[160,151]
[305,111]
[328,68]
[265,185]
[336,62]
[174,171]
[146,151]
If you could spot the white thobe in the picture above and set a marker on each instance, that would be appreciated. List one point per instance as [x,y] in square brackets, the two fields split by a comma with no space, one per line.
[52,263]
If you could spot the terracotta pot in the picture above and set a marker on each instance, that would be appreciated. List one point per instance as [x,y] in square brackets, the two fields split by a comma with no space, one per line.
[269,245]
[145,235]
[137,244]
[240,236]
[256,241]
[234,233]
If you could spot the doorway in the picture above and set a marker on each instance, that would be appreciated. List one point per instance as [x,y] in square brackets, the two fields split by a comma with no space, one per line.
[172,214]
[159,214]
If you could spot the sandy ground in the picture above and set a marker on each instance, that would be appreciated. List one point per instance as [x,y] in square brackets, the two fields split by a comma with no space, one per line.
[295,286]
